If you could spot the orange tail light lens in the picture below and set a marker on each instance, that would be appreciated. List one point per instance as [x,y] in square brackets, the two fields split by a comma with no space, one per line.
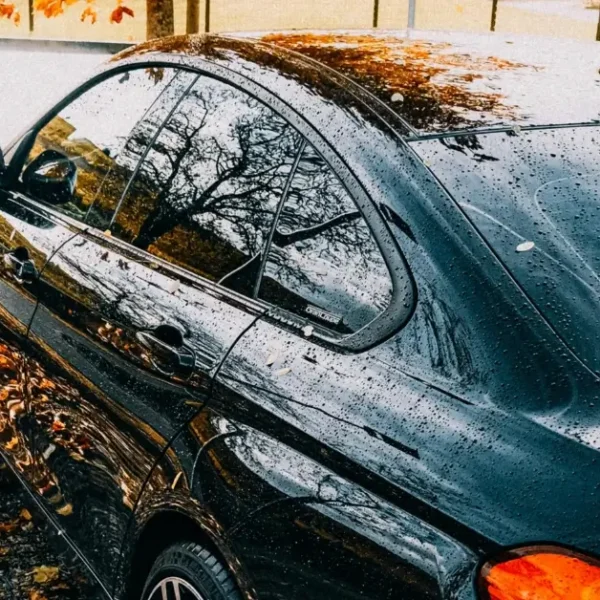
[541,573]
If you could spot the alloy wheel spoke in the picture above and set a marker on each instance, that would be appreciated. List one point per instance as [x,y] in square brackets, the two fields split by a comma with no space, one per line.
[176,588]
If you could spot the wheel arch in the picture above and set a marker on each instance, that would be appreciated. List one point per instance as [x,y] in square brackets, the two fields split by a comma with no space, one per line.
[167,526]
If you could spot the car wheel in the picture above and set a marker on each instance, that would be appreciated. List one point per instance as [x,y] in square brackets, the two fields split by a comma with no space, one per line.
[188,571]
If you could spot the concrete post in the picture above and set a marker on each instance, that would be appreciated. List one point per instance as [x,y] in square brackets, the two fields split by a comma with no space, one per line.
[207,17]
[494,15]
[412,8]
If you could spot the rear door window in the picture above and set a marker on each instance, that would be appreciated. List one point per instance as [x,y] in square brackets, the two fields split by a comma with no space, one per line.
[324,264]
[206,194]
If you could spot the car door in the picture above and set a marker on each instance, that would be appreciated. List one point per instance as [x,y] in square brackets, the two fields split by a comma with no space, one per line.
[311,422]
[69,173]
[30,232]
[136,314]
[27,238]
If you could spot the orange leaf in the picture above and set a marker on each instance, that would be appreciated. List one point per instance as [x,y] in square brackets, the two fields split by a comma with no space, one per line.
[90,12]
[65,510]
[12,443]
[116,16]
[50,8]
[45,574]
[6,10]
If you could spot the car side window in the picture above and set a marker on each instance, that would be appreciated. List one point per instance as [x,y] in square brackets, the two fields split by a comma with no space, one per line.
[85,155]
[323,263]
[206,195]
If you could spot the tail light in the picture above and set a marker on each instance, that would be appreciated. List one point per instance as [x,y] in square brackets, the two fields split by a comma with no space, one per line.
[541,573]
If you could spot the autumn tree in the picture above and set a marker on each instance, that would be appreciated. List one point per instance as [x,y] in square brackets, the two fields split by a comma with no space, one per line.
[160,19]
[159,13]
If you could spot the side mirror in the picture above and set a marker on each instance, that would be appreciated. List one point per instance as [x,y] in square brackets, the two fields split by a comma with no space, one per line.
[51,177]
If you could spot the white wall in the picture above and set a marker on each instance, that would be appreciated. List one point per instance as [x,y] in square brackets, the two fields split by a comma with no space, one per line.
[33,76]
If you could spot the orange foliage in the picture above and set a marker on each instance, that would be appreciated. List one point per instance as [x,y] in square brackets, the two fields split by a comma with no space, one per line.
[55,8]
[90,12]
[9,11]
[6,10]
[544,576]
[117,15]
[52,8]
[429,78]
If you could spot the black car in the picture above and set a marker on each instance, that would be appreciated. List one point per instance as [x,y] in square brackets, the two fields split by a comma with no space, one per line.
[313,315]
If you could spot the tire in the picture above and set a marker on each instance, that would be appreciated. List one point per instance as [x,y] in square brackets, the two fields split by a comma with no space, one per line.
[197,573]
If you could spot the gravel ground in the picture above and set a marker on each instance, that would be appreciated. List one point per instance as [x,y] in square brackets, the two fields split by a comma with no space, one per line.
[32,565]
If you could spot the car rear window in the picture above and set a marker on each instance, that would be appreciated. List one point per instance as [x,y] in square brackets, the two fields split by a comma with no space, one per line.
[535,197]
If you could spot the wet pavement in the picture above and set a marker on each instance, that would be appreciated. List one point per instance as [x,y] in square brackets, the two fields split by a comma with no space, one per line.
[29,555]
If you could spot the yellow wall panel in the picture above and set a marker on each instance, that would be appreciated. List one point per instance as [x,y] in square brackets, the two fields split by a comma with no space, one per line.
[261,15]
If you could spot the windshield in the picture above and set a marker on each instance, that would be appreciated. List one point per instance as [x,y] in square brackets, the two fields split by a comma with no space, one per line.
[535,197]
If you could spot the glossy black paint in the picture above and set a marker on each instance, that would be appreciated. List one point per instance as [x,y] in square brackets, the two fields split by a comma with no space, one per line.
[147,402]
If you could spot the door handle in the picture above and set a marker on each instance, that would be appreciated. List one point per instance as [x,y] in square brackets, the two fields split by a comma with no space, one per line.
[20,265]
[170,357]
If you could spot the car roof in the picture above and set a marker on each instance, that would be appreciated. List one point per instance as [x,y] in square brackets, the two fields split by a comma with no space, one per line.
[432,82]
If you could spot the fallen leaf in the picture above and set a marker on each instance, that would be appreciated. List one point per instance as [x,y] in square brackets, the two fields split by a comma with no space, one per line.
[194,403]
[36,595]
[25,514]
[47,384]
[525,246]
[172,286]
[8,527]
[308,330]
[58,425]
[65,510]
[45,574]
[10,445]
[283,372]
